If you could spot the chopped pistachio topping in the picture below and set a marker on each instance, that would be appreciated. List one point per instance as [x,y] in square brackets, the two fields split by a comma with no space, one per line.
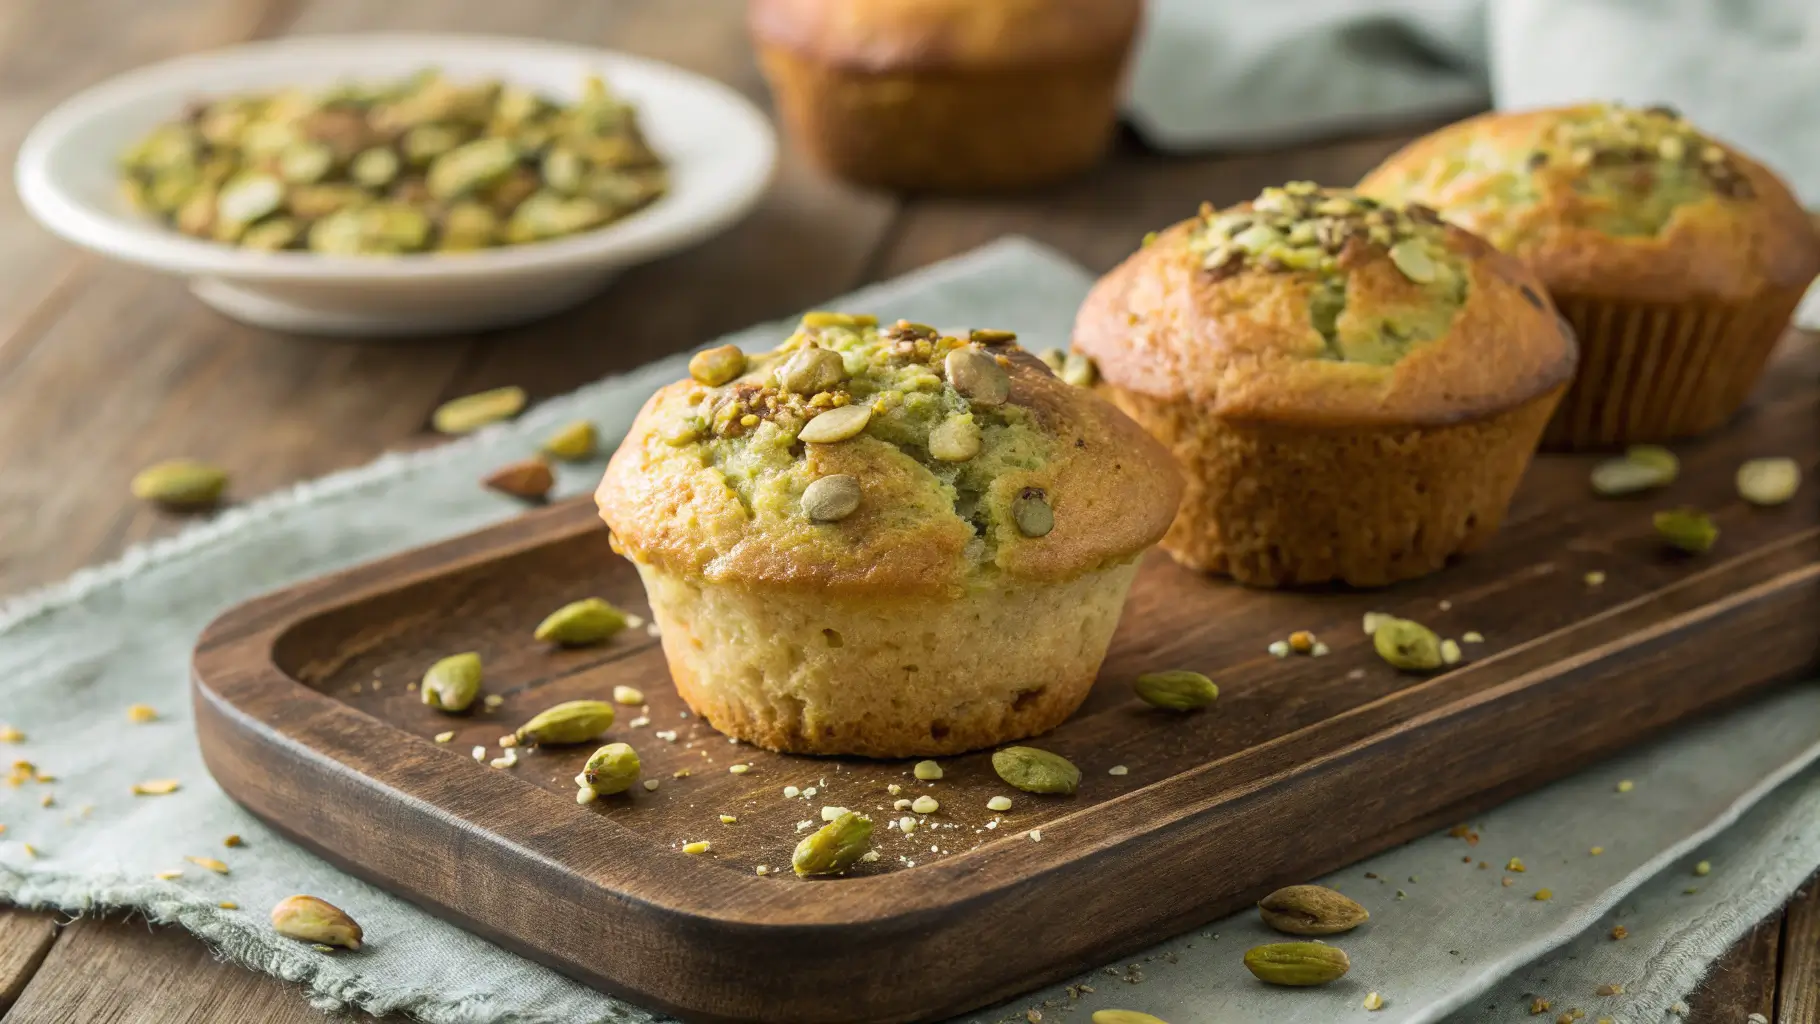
[1323,236]
[945,402]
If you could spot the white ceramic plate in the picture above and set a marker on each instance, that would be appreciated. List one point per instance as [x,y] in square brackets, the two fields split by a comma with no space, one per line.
[720,150]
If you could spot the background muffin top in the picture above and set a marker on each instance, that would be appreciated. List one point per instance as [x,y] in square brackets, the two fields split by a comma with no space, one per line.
[1613,201]
[1319,306]
[897,35]
[970,459]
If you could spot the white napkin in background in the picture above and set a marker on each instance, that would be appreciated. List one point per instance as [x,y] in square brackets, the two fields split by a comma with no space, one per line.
[1249,74]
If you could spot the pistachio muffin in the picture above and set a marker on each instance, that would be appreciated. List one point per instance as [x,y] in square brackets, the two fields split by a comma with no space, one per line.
[955,95]
[884,542]
[1353,388]
[1677,259]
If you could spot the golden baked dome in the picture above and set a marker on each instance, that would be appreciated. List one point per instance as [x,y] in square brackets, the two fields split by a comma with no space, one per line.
[883,461]
[1318,307]
[1602,199]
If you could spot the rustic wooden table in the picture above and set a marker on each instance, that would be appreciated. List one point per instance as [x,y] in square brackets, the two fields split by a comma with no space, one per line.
[104,368]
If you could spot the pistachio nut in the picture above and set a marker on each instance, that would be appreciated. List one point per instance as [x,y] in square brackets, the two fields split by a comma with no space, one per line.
[1054,358]
[1031,511]
[1125,1017]
[309,919]
[837,424]
[377,228]
[573,443]
[1407,645]
[831,498]
[1176,690]
[611,769]
[530,479]
[375,168]
[180,483]
[928,771]
[1687,529]
[834,847]
[1079,370]
[990,337]
[1769,481]
[852,321]
[467,226]
[271,234]
[717,366]
[452,683]
[581,623]
[470,167]
[1411,259]
[1036,771]
[248,197]
[1300,964]
[978,377]
[469,413]
[1311,910]
[575,721]
[1643,467]
[955,439]
[810,369]
[546,214]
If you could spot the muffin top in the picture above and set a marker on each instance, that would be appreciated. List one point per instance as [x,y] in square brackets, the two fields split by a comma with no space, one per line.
[927,35]
[883,461]
[1611,201]
[1321,307]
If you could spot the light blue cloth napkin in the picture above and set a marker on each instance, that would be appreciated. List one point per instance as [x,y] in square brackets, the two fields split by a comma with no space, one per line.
[74,657]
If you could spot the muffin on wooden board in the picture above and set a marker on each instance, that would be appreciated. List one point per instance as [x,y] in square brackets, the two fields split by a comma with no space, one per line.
[1677,259]
[1353,389]
[884,542]
[948,95]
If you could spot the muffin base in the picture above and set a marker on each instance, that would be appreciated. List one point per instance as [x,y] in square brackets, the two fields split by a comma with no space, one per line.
[890,676]
[1652,372]
[1275,505]
[952,131]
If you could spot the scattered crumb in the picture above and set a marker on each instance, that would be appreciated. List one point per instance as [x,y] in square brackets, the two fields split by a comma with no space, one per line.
[444,737]
[1301,641]
[1373,1001]
[492,700]
[762,869]
[1597,851]
[999,803]
[628,695]
[168,874]
[1595,578]
[507,741]
[1679,1009]
[156,787]
[728,819]
[1508,881]
[1279,648]
[30,850]
[507,760]
[1516,864]
[697,849]
[830,813]
[1620,933]
[1450,652]
[228,905]
[141,713]
[480,753]
[1610,989]
[925,805]
[1472,636]
[667,735]
[680,773]
[739,769]
[791,792]
[1544,895]
[1626,786]
[8,734]
[894,789]
[650,785]
[1703,868]
[1117,769]
[640,722]
[1320,650]
[210,863]
[1445,605]
[1036,835]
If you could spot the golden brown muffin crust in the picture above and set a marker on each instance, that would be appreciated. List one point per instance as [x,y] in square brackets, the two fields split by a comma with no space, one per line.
[1726,236]
[1112,489]
[925,35]
[1241,344]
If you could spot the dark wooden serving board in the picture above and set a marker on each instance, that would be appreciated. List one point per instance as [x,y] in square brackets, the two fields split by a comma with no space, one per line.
[1304,765]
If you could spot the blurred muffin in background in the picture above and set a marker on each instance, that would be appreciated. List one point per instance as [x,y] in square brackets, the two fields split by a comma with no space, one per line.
[1353,388]
[1677,259]
[947,95]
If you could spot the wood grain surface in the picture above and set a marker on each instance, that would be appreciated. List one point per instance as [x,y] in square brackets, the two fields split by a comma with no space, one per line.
[105,368]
